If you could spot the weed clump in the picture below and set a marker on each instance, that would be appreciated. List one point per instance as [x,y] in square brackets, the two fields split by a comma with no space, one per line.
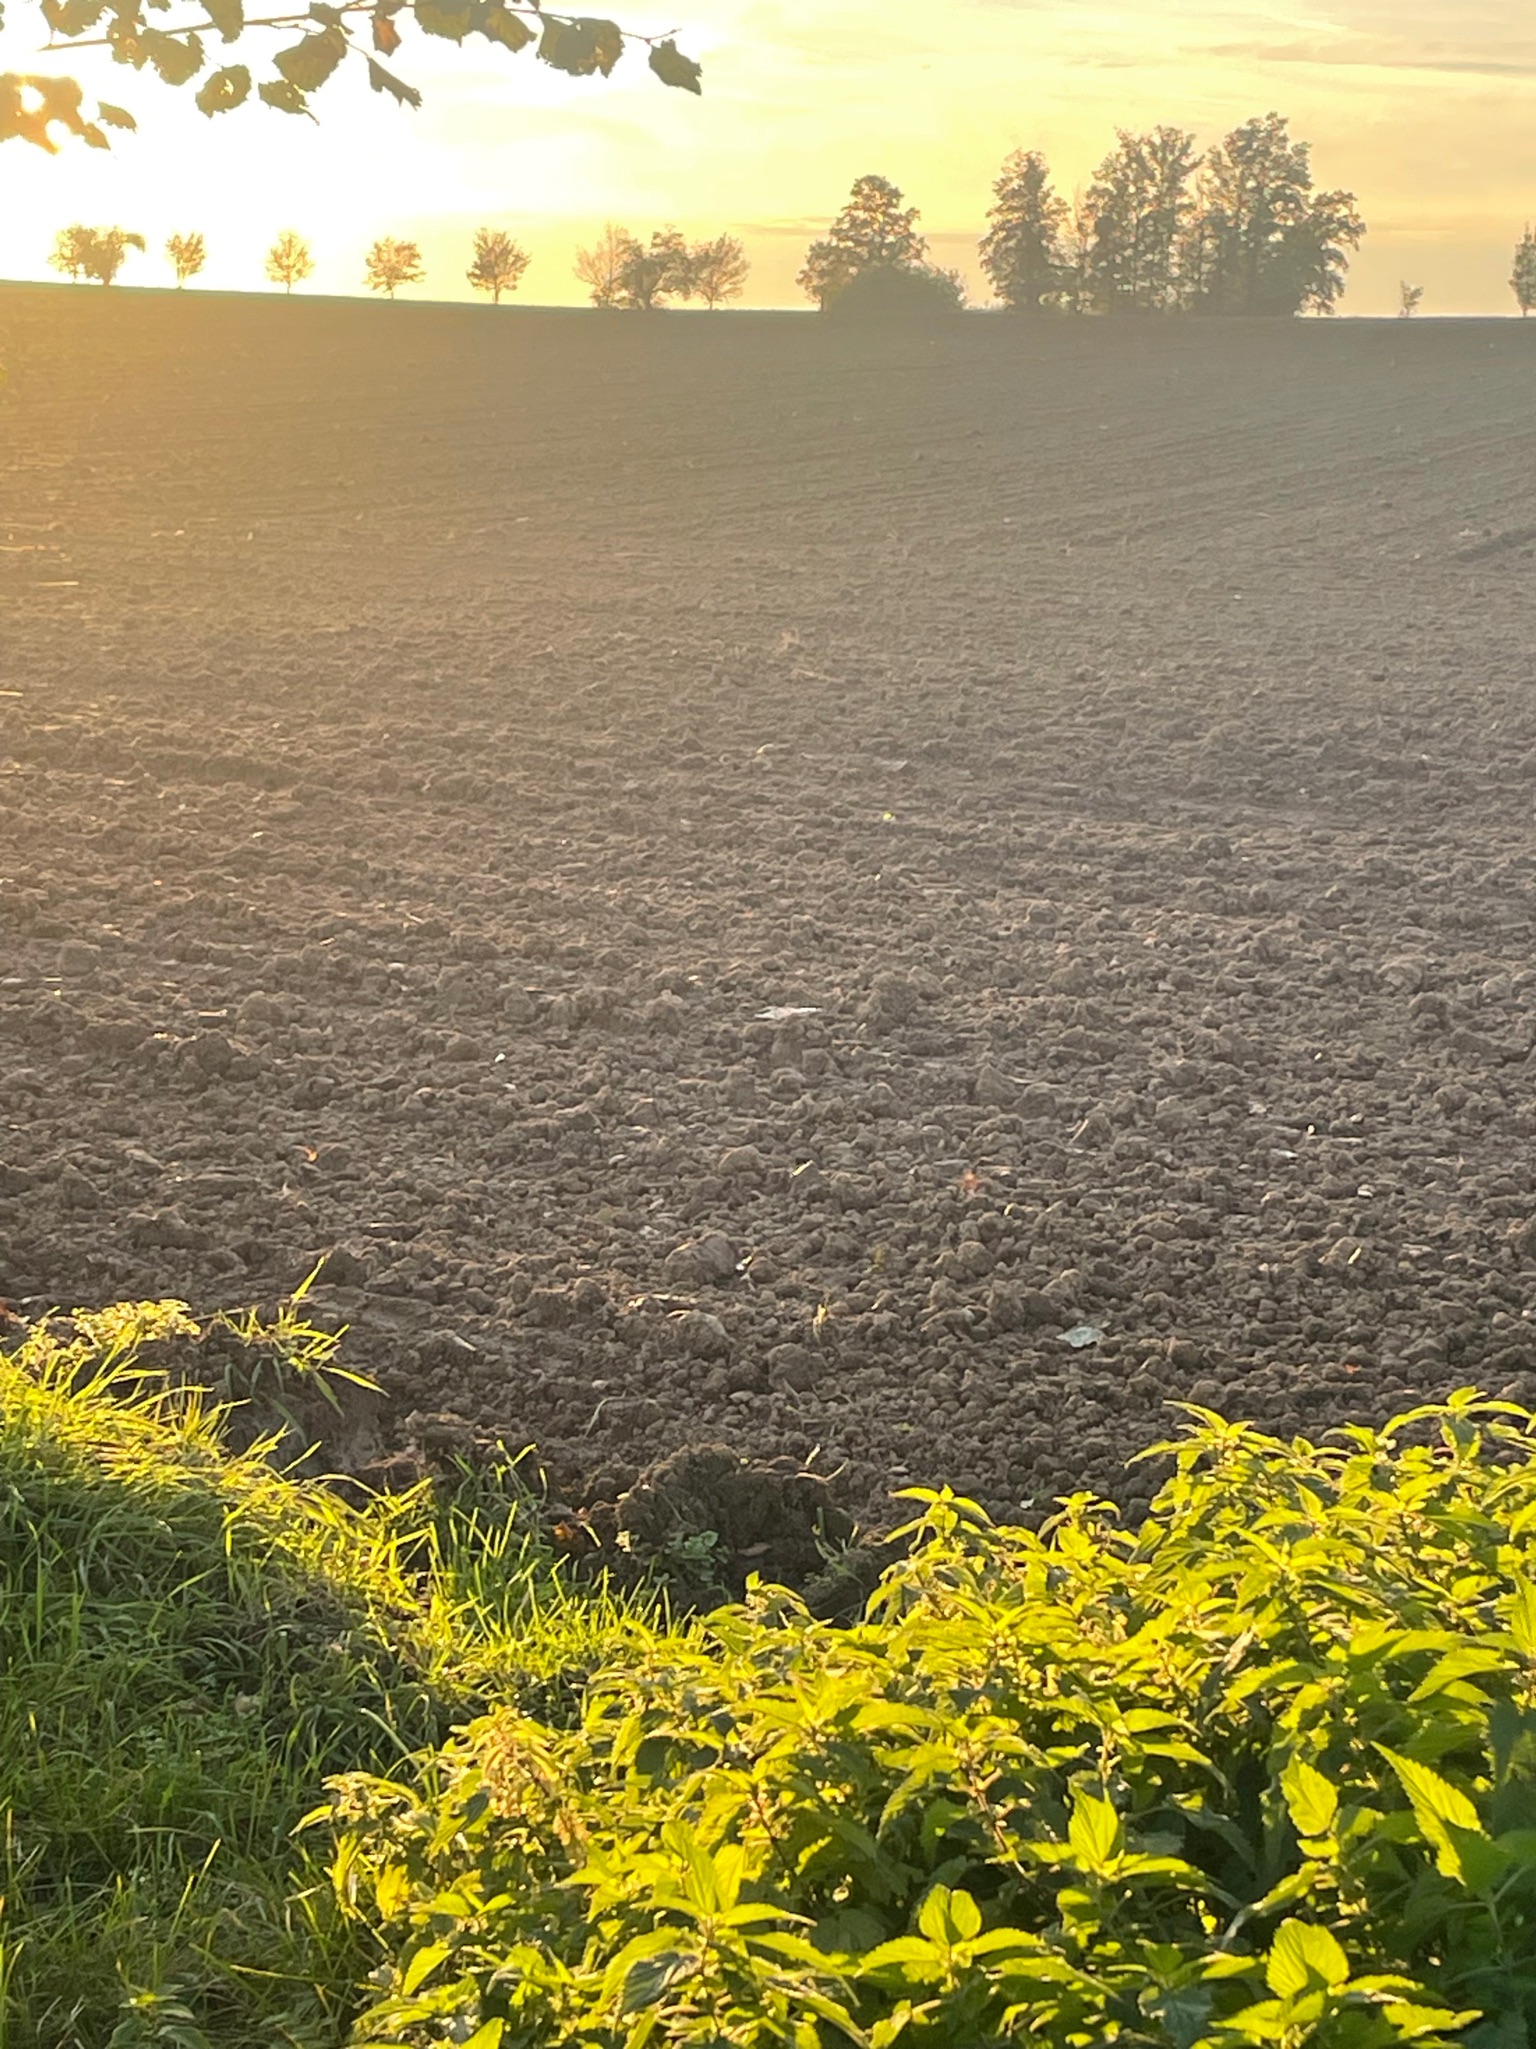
[1261,1771]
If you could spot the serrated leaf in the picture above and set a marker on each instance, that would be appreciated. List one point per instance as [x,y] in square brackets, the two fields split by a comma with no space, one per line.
[1312,1799]
[1303,1958]
[499,24]
[227,16]
[673,68]
[583,46]
[309,62]
[223,90]
[386,81]
[115,117]
[284,96]
[1438,1808]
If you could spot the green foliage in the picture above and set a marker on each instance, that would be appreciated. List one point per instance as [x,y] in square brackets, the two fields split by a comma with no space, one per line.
[190,1643]
[32,108]
[1263,1771]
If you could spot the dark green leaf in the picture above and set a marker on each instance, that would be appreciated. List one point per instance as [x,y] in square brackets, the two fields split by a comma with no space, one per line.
[224,89]
[673,68]
[386,81]
[308,63]
[647,1982]
[279,93]
[582,47]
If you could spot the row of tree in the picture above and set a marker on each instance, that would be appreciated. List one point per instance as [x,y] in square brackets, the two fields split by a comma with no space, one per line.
[617,270]
[1161,228]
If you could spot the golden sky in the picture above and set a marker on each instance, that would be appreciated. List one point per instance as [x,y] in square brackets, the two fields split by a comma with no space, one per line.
[1425,108]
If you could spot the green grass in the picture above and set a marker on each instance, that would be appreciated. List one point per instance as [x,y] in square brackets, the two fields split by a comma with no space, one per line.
[190,1645]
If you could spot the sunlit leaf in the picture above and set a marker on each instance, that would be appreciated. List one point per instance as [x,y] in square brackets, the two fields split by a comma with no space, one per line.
[499,24]
[1303,1958]
[224,89]
[282,94]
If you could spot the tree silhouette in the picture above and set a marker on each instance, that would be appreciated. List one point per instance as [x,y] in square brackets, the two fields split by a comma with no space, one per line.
[188,254]
[662,269]
[1139,203]
[288,260]
[601,268]
[1522,280]
[498,263]
[719,270]
[1022,250]
[96,253]
[31,108]
[1409,299]
[1260,240]
[390,264]
[873,230]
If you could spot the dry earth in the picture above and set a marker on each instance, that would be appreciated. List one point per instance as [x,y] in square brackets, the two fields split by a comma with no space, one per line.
[435,742]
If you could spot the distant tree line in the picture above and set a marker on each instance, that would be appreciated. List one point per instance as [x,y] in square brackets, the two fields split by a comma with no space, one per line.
[1161,228]
[97,255]
[618,270]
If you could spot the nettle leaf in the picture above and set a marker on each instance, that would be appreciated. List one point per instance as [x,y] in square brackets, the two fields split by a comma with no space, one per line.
[499,24]
[115,117]
[1440,1809]
[308,63]
[227,16]
[583,46]
[947,1918]
[284,95]
[451,19]
[673,68]
[1313,1800]
[176,58]
[1303,1958]
[386,81]
[1095,1832]
[226,89]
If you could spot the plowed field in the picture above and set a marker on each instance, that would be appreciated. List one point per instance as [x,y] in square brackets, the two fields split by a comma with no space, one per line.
[743,880]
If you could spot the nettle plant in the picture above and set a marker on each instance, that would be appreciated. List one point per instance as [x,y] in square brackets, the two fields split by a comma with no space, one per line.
[1263,1771]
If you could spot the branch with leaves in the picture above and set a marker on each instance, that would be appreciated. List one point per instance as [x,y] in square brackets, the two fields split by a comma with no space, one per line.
[32,108]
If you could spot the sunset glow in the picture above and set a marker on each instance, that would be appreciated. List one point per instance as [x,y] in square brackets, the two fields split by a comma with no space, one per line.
[1424,109]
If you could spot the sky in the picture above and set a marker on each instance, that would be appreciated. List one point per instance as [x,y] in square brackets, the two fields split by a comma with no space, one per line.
[1426,109]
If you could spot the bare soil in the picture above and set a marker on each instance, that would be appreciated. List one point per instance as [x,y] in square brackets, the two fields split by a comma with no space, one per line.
[742,879]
